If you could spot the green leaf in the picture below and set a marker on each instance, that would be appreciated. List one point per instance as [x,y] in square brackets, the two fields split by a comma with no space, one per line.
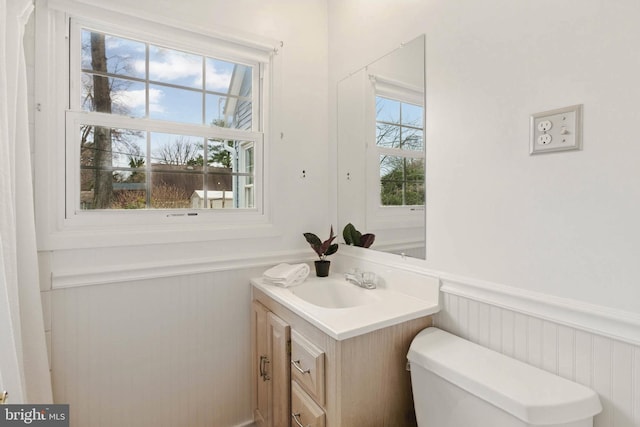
[351,235]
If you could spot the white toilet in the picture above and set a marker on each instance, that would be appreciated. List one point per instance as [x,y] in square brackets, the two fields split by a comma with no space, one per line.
[457,383]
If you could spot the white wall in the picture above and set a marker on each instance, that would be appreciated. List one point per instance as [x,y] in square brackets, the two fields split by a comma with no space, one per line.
[163,352]
[544,248]
[300,111]
[161,337]
[564,224]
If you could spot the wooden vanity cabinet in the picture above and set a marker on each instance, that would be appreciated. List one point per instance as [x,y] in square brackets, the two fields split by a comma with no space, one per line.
[359,381]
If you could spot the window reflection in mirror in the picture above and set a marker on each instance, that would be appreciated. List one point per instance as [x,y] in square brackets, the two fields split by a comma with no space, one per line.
[400,146]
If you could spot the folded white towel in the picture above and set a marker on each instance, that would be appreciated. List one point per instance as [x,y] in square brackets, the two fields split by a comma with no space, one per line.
[286,274]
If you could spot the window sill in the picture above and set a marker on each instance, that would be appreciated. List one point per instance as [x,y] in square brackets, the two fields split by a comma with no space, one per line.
[180,231]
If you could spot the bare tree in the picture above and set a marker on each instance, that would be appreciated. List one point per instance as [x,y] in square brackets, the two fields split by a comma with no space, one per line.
[180,151]
[103,159]
[100,146]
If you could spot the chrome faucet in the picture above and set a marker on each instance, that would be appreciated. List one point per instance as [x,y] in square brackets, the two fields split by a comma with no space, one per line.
[365,280]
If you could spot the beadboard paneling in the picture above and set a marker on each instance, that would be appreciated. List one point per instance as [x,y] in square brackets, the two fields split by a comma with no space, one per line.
[609,366]
[152,353]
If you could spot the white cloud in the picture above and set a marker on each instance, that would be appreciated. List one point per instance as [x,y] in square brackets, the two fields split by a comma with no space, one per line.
[139,66]
[175,66]
[218,80]
[135,99]
[185,69]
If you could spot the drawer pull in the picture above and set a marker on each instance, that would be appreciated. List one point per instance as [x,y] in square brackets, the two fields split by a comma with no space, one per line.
[296,418]
[296,364]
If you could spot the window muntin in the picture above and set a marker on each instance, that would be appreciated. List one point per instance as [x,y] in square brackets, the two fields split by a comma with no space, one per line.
[138,169]
[139,79]
[401,181]
[398,124]
[213,103]
[400,147]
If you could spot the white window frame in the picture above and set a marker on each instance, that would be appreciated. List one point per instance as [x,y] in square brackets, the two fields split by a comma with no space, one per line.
[378,216]
[61,224]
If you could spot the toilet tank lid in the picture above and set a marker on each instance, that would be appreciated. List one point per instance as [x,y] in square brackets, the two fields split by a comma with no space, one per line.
[526,392]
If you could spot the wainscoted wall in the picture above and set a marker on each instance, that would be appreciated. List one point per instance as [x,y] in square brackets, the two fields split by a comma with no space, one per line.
[609,366]
[170,351]
[174,350]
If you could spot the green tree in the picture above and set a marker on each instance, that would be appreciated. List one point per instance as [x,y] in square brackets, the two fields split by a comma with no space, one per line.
[218,154]
[403,184]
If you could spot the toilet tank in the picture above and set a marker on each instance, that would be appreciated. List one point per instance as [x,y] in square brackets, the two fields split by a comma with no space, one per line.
[457,383]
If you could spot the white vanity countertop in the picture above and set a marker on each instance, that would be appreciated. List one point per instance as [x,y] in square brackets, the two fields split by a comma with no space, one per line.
[393,303]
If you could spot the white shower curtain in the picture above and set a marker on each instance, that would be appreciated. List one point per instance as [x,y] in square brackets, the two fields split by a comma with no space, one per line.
[19,281]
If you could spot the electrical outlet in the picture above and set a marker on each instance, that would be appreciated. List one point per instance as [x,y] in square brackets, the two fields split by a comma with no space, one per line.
[544,125]
[556,130]
[545,139]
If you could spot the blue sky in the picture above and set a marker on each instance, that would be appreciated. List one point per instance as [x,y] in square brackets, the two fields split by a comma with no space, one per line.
[127,58]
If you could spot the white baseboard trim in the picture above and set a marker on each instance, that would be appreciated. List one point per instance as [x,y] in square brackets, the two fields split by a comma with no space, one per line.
[154,270]
[612,323]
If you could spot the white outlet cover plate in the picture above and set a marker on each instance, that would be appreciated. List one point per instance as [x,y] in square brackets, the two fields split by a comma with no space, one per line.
[565,130]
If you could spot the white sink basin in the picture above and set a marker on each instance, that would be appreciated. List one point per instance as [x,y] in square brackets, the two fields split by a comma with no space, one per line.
[343,310]
[334,293]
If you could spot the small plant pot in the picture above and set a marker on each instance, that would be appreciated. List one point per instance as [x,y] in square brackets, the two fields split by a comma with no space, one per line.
[322,268]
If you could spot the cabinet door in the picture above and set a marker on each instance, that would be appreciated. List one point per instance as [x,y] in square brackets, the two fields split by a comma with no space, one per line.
[279,338]
[260,363]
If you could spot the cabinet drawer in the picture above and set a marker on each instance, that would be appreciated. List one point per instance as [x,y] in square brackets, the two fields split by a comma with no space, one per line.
[304,411]
[307,366]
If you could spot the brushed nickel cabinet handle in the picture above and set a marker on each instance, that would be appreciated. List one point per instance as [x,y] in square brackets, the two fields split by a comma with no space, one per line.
[263,368]
[296,364]
[296,418]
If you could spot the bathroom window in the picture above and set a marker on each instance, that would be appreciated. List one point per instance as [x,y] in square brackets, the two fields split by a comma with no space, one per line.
[147,132]
[152,126]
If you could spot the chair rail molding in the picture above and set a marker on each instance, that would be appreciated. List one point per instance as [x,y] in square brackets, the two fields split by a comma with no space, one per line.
[613,323]
[99,275]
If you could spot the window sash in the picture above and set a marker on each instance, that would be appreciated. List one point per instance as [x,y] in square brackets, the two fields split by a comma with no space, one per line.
[208,49]
[75,116]
[74,120]
[396,152]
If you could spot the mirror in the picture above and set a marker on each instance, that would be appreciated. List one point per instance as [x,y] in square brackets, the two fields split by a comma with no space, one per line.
[381,150]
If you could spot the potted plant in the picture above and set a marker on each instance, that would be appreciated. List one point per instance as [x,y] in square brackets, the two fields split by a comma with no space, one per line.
[354,237]
[323,249]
